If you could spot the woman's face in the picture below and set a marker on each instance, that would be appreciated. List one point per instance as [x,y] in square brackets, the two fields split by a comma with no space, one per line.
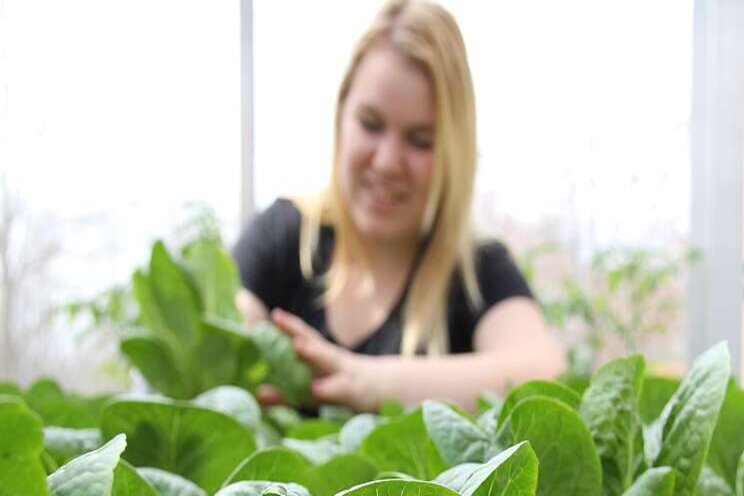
[386,146]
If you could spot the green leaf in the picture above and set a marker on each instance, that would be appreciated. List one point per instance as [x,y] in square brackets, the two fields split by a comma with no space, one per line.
[457,439]
[653,482]
[202,445]
[263,488]
[154,359]
[90,474]
[176,302]
[568,459]
[21,444]
[337,474]
[740,476]
[654,395]
[284,465]
[488,401]
[488,421]
[169,484]
[356,430]
[728,438]
[286,372]
[216,278]
[513,472]
[227,355]
[62,409]
[313,429]
[398,487]
[127,482]
[403,445]
[712,484]
[686,425]
[395,475]
[276,464]
[64,444]
[538,388]
[318,451]
[610,409]
[282,417]
[456,477]
[234,402]
[392,408]
[335,413]
[10,388]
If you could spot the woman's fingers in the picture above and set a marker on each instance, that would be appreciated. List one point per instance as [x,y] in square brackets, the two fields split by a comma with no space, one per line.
[332,389]
[268,395]
[292,325]
[323,357]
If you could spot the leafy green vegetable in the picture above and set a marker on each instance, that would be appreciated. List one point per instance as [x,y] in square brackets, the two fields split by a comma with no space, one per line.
[740,476]
[403,445]
[653,482]
[356,430]
[686,425]
[457,439]
[21,443]
[654,396]
[538,388]
[200,444]
[728,438]
[313,429]
[63,409]
[234,402]
[215,276]
[557,434]
[168,484]
[263,488]
[337,474]
[183,351]
[128,482]
[284,465]
[276,464]
[512,472]
[89,474]
[399,487]
[286,372]
[712,484]
[318,451]
[64,444]
[610,409]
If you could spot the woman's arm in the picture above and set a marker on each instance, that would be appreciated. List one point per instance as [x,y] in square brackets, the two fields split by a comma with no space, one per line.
[511,342]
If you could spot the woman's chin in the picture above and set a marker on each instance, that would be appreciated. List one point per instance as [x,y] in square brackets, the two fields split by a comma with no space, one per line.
[389,229]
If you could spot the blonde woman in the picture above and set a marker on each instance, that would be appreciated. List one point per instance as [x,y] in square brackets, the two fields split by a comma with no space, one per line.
[379,280]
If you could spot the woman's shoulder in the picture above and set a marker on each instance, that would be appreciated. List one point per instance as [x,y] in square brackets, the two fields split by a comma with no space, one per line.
[282,211]
[492,250]
[498,272]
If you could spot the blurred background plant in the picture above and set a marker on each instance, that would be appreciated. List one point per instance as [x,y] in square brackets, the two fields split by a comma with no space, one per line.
[625,297]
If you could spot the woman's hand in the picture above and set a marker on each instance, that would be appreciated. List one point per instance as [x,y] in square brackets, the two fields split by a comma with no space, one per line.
[341,377]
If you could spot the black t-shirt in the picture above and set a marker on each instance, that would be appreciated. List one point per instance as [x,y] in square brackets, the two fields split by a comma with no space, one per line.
[267,255]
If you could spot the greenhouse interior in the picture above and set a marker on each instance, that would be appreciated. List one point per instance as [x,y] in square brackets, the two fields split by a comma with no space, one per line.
[399,247]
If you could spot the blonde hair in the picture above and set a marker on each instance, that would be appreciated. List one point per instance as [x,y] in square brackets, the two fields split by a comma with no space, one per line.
[426,34]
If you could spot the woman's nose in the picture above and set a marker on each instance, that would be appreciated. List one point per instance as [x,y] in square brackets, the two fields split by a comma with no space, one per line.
[389,156]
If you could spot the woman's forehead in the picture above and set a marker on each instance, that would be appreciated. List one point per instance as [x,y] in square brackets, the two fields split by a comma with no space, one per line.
[389,83]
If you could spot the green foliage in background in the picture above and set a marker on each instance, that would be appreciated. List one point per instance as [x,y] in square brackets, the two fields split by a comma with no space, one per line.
[625,296]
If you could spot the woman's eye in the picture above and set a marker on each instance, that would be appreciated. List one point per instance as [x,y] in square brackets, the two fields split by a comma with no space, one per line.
[371,125]
[422,142]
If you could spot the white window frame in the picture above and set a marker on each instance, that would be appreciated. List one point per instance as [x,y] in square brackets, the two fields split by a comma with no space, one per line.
[717,147]
[247,180]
